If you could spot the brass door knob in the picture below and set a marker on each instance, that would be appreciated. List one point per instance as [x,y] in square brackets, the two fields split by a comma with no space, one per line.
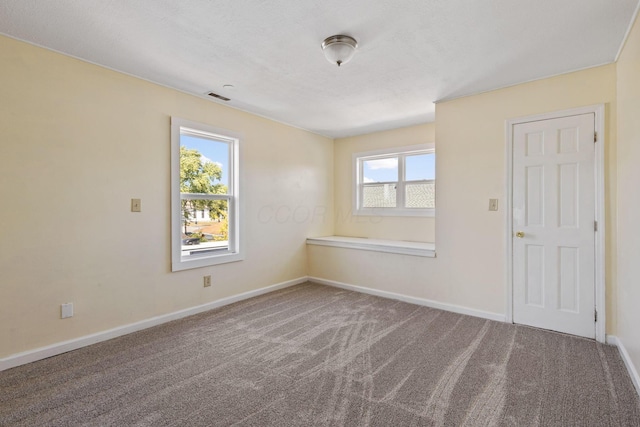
[520,234]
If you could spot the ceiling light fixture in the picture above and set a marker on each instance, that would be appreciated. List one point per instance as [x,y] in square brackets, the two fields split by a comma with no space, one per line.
[339,49]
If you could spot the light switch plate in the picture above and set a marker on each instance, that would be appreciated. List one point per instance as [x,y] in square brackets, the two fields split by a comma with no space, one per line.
[66,310]
[136,205]
[493,204]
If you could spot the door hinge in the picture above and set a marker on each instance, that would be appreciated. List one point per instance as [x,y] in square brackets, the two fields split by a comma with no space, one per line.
[595,137]
[595,225]
[595,315]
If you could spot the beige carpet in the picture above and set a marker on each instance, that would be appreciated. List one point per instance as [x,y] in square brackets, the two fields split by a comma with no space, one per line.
[314,355]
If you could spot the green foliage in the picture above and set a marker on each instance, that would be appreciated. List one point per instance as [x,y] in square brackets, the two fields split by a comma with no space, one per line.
[197,176]
[224,231]
[198,235]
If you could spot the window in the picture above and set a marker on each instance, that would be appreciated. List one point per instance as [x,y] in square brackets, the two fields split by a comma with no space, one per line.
[395,182]
[205,181]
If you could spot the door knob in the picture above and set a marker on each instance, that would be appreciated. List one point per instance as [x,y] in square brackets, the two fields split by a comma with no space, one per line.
[520,234]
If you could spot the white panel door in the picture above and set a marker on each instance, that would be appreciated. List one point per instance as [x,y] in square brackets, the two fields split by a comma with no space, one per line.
[553,224]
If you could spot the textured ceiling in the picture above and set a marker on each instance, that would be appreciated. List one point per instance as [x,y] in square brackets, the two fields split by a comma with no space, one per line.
[411,52]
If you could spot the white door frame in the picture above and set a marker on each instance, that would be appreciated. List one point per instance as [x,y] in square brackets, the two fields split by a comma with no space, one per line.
[600,290]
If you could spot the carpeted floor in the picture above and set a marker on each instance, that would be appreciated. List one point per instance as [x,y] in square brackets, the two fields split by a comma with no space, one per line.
[315,355]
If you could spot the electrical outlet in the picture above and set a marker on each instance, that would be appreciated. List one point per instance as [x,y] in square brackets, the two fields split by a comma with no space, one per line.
[493,204]
[136,205]
[66,310]
[207,281]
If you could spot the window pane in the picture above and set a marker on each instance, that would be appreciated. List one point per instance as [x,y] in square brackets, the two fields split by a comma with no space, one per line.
[421,195]
[204,165]
[204,227]
[379,196]
[420,167]
[380,170]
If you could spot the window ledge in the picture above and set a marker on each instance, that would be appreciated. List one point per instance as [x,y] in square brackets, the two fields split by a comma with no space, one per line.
[378,245]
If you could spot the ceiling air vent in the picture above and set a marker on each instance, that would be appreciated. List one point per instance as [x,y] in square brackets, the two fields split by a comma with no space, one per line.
[215,95]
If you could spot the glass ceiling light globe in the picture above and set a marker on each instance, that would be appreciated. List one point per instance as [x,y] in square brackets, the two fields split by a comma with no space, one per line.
[339,49]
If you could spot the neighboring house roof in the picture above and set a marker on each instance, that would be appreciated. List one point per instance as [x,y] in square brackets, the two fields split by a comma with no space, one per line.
[420,194]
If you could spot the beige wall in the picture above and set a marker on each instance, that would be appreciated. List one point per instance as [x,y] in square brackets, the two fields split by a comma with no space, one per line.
[471,169]
[377,227]
[469,270]
[77,142]
[628,69]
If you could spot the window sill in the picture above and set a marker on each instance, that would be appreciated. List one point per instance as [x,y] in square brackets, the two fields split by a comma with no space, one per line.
[206,261]
[378,245]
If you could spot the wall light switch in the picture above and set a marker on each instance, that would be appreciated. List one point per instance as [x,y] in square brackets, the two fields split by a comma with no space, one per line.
[66,310]
[136,205]
[493,204]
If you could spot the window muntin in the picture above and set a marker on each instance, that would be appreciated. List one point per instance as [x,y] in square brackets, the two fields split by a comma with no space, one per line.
[398,181]
[205,202]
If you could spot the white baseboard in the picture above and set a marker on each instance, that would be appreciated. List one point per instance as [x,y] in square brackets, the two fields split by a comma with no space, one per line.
[65,346]
[633,373]
[413,300]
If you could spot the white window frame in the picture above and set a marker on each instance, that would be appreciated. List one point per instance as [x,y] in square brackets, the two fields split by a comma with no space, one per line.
[218,256]
[401,153]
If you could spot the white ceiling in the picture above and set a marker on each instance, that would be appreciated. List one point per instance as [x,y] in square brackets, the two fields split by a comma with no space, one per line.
[411,52]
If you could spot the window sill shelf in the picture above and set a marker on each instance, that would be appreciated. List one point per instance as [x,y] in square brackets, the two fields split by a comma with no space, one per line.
[378,245]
